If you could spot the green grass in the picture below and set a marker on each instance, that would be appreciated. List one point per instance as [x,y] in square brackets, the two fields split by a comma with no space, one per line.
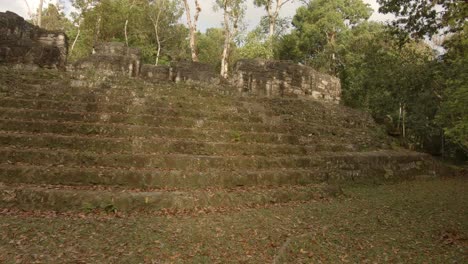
[410,222]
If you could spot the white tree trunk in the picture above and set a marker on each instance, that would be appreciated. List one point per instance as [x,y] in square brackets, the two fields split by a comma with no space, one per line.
[125,31]
[126,23]
[273,13]
[272,27]
[76,39]
[39,13]
[404,121]
[227,43]
[192,27]
[98,32]
[156,32]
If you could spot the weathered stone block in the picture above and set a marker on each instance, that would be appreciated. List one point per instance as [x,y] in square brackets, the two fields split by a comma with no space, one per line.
[284,78]
[194,71]
[155,73]
[111,59]
[24,43]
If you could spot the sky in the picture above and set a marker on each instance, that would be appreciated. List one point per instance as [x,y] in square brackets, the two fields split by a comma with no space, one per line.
[208,17]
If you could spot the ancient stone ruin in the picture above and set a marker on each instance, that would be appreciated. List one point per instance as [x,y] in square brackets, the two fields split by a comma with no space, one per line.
[142,144]
[284,78]
[250,77]
[22,43]
[115,59]
[180,71]
[111,59]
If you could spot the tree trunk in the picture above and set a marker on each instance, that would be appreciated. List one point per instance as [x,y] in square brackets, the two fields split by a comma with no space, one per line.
[227,43]
[126,23]
[96,35]
[272,27]
[192,27]
[125,31]
[273,15]
[404,121]
[76,38]
[399,118]
[156,32]
[228,34]
[39,13]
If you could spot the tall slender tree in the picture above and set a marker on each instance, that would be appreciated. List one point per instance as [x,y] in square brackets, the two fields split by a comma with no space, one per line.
[233,11]
[272,7]
[192,25]
[39,13]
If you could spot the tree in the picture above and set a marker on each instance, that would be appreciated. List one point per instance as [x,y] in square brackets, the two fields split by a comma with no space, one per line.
[39,13]
[192,25]
[163,15]
[272,7]
[258,43]
[129,11]
[426,17]
[256,46]
[152,26]
[54,19]
[453,113]
[233,11]
[317,27]
[397,84]
[210,46]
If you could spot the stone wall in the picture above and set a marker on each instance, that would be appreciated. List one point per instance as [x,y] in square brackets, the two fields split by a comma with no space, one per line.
[111,59]
[284,78]
[155,73]
[180,71]
[193,71]
[22,43]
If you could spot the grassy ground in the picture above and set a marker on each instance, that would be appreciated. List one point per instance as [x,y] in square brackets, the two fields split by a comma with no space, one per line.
[411,222]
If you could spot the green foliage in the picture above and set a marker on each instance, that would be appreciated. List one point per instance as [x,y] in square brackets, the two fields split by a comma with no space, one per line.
[317,28]
[210,46]
[426,17]
[53,18]
[453,114]
[256,46]
[396,84]
[420,18]
[104,21]
[236,136]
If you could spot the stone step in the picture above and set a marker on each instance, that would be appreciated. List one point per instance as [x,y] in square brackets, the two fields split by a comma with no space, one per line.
[123,94]
[103,145]
[254,108]
[15,76]
[228,114]
[368,167]
[150,100]
[71,198]
[306,110]
[198,163]
[170,121]
[116,87]
[145,106]
[361,141]
[136,131]
[154,178]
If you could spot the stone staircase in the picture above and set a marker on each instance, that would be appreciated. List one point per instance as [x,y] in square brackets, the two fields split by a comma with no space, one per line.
[128,145]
